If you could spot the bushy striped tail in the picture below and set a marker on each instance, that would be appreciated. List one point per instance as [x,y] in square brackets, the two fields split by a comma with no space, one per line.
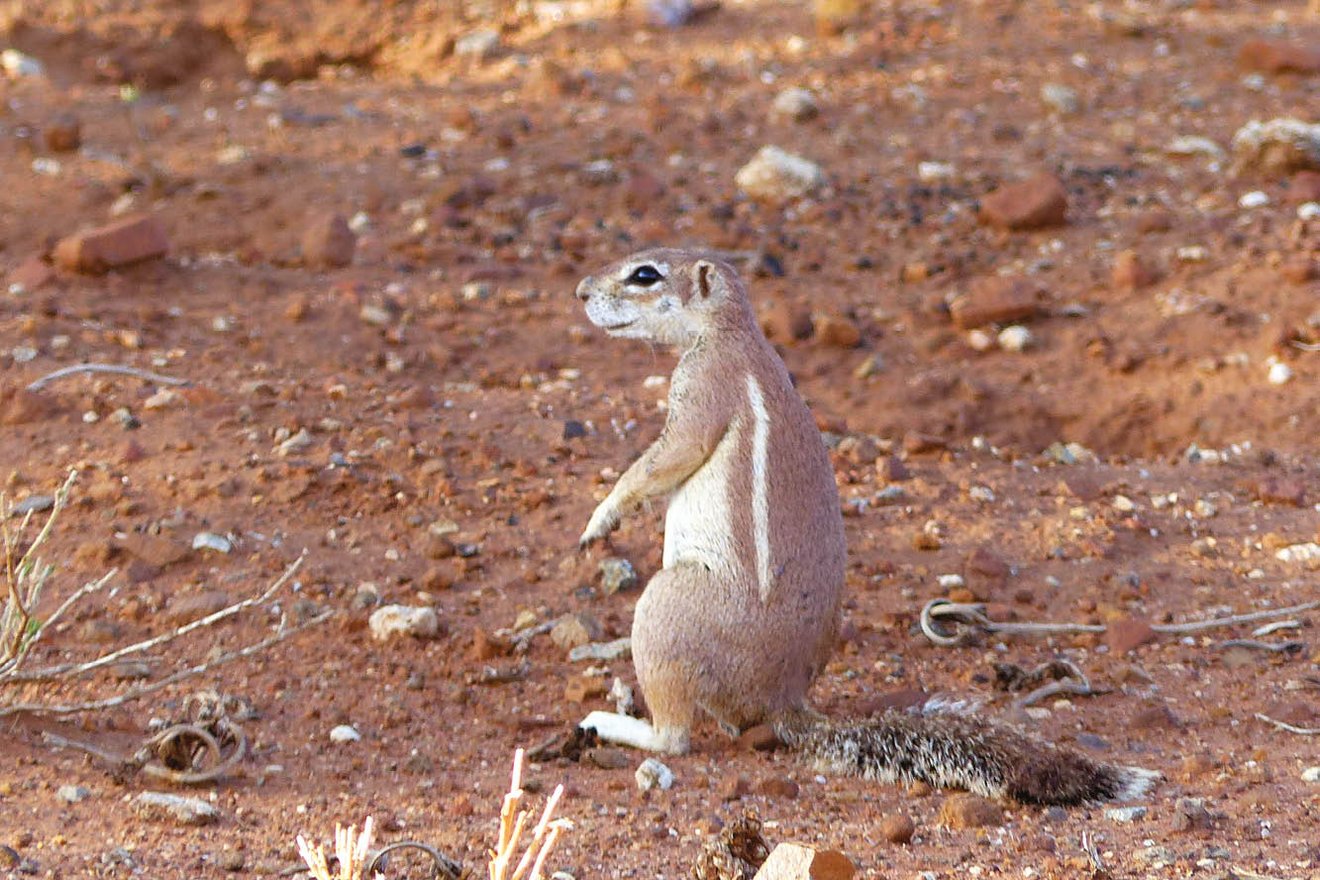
[947,750]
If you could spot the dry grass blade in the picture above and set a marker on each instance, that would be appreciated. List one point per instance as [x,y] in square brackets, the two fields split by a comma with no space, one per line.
[25,577]
[351,851]
[545,835]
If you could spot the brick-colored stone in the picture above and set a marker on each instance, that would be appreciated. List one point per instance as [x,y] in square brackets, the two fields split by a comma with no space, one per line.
[122,243]
[1035,203]
[328,243]
[995,300]
[969,811]
[1130,272]
[1278,56]
[1126,635]
[793,861]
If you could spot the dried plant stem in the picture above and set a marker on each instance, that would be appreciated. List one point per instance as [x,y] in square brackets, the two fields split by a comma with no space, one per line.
[544,836]
[1291,728]
[136,693]
[71,669]
[105,368]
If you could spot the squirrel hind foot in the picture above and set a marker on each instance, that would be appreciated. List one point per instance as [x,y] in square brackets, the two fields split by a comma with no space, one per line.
[636,733]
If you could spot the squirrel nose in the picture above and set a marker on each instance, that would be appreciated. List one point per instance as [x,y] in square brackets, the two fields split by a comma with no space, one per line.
[584,290]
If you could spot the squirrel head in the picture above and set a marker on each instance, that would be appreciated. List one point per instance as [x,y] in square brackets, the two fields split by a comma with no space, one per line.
[665,295]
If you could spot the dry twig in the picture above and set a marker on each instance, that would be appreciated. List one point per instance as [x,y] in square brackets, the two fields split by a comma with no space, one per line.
[1291,728]
[970,618]
[544,836]
[105,368]
[351,851]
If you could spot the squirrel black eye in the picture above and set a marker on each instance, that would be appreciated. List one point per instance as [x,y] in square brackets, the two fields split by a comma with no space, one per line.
[645,276]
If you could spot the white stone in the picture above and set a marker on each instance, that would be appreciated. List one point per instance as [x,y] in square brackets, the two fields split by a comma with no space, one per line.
[1279,374]
[653,774]
[295,444]
[1123,504]
[72,794]
[602,650]
[1311,774]
[1284,143]
[161,805]
[1126,815]
[930,172]
[344,733]
[980,340]
[211,541]
[481,45]
[16,64]
[393,621]
[1308,211]
[1304,553]
[1254,199]
[776,175]
[1060,98]
[796,104]
[166,397]
[951,581]
[1016,338]
[1194,145]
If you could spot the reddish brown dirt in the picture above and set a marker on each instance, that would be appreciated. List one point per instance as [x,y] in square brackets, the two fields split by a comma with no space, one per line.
[426,406]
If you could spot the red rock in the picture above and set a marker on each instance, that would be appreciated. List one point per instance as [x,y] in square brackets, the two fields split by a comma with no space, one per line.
[897,828]
[1035,203]
[995,300]
[186,609]
[969,811]
[1304,187]
[1130,272]
[31,274]
[1125,635]
[792,861]
[487,647]
[785,323]
[735,788]
[1155,220]
[778,788]
[63,134]
[1280,490]
[916,443]
[1299,270]
[122,243]
[581,688]
[155,550]
[328,243]
[760,738]
[643,191]
[837,332]
[891,469]
[1277,56]
[985,572]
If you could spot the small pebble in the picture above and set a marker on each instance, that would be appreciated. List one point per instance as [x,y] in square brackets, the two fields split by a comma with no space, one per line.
[1016,338]
[1126,815]
[1311,774]
[617,574]
[212,541]
[392,621]
[1253,199]
[1060,98]
[159,805]
[653,774]
[1279,374]
[72,794]
[796,104]
[344,733]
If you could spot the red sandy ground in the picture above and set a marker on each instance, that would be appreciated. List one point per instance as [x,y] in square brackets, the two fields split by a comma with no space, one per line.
[451,410]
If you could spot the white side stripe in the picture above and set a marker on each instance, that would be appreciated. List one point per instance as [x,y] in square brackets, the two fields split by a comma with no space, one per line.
[760,486]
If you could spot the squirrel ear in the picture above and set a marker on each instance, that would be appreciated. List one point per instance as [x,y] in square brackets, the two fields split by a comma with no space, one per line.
[705,278]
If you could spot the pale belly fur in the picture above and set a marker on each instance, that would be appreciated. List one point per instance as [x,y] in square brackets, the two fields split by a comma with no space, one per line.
[697,524]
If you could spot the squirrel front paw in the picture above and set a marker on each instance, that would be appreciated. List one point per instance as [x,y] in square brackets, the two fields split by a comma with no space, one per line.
[603,521]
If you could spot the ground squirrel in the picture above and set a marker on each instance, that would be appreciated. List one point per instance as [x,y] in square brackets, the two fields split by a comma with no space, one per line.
[744,613]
